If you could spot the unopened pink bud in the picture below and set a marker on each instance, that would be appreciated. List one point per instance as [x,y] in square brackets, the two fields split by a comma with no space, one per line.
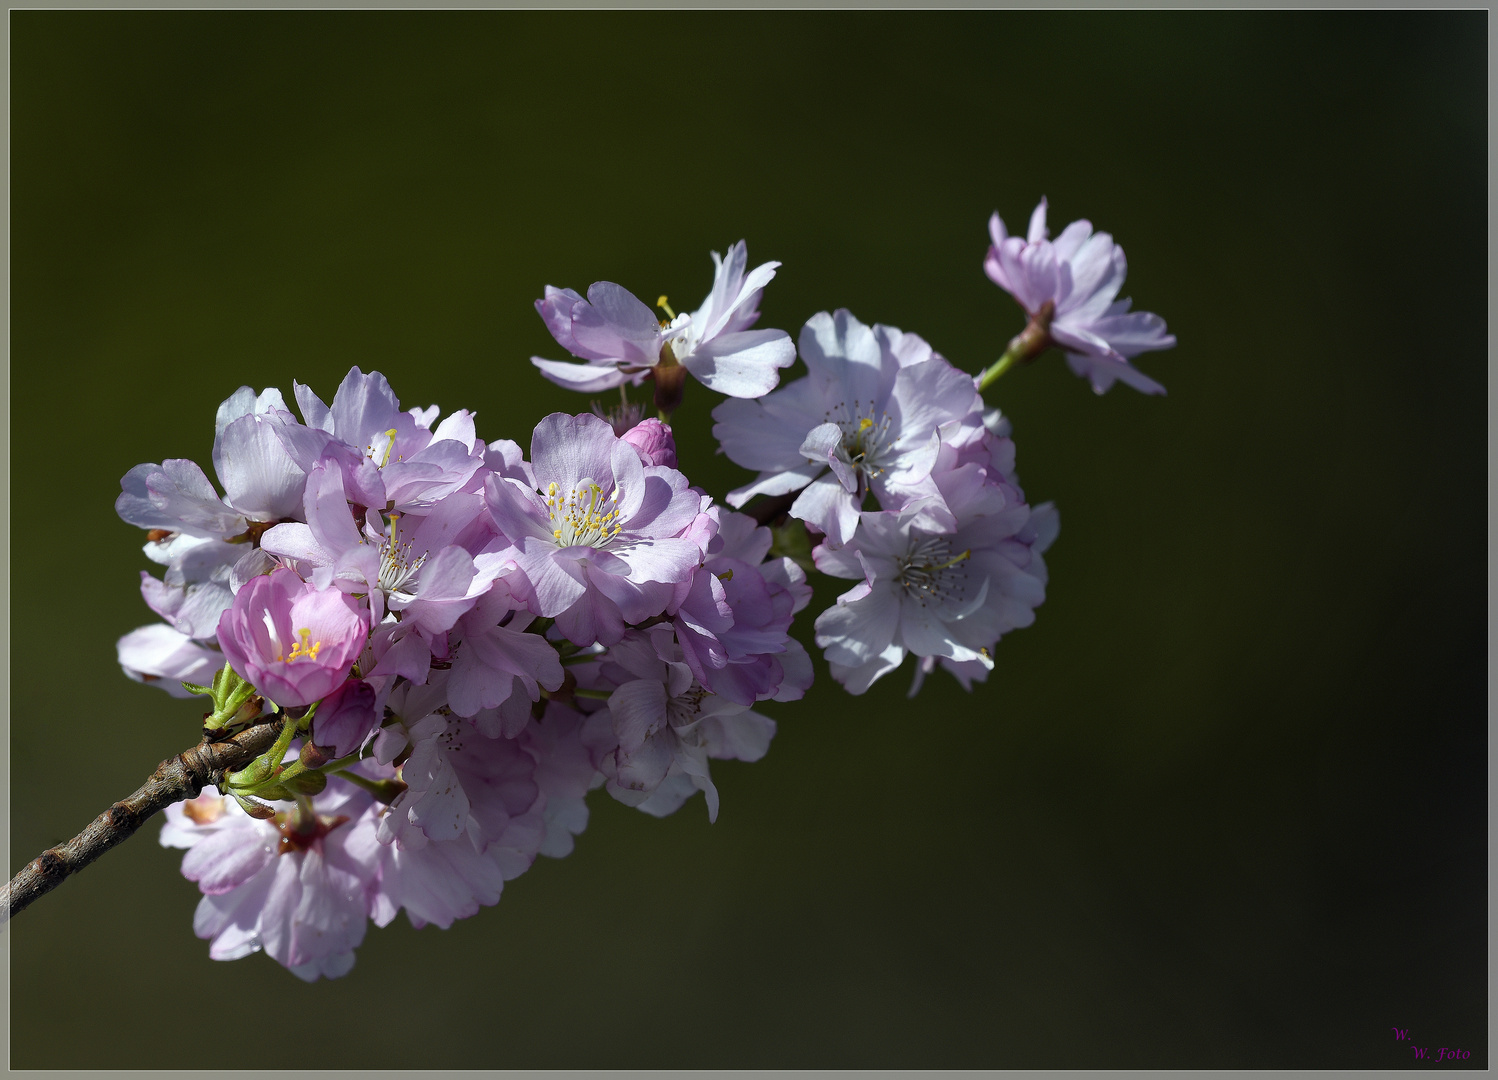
[653,441]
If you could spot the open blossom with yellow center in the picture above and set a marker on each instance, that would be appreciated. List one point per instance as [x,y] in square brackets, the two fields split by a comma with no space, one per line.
[409,564]
[302,648]
[295,643]
[583,516]
[601,540]
[623,342]
[399,562]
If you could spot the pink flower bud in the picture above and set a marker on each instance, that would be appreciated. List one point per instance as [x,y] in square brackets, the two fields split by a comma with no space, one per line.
[653,441]
[345,718]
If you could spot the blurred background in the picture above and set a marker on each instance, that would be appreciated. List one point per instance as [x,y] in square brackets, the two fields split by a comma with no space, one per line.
[1223,805]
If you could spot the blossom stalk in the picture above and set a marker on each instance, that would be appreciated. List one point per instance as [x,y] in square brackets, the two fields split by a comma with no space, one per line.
[1025,346]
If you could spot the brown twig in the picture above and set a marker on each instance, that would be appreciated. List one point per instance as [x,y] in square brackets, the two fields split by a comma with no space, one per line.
[175,779]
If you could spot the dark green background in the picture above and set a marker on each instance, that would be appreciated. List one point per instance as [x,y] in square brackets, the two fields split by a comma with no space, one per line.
[1223,805]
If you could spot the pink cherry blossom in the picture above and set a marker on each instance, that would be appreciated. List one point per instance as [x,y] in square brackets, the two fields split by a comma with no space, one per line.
[1067,288]
[294,642]
[288,885]
[623,342]
[600,540]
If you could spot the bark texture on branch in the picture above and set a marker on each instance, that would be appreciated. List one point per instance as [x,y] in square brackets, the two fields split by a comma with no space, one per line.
[175,779]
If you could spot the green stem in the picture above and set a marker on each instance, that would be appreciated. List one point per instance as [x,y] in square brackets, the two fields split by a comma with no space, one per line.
[341,763]
[1001,365]
[262,771]
[1025,346]
[385,791]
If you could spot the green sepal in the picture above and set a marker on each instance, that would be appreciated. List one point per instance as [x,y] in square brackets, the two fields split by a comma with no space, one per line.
[252,775]
[253,808]
[234,700]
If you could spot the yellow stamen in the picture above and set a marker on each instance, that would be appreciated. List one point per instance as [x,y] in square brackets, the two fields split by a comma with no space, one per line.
[864,425]
[661,303]
[389,446]
[302,648]
[594,522]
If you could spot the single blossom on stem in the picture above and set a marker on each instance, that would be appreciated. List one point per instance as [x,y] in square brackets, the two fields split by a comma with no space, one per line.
[1067,288]
[287,885]
[623,342]
[390,459]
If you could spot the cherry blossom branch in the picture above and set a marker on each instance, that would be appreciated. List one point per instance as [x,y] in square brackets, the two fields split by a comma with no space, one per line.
[181,777]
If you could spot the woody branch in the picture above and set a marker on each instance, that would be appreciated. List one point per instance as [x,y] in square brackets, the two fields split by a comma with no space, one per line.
[181,777]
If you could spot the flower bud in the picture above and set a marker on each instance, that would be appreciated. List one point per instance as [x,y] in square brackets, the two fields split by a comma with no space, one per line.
[653,441]
[313,756]
[345,718]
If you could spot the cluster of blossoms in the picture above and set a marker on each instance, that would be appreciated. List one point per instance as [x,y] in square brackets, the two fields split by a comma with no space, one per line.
[466,637]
